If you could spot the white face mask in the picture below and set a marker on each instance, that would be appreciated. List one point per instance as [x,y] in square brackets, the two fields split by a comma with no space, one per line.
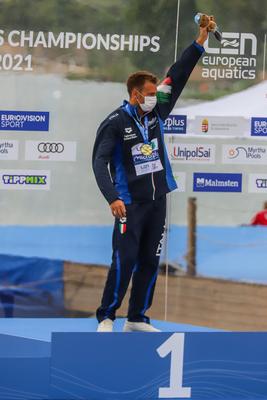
[149,103]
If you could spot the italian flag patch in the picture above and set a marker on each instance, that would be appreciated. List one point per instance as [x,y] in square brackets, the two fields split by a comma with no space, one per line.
[122,228]
[164,91]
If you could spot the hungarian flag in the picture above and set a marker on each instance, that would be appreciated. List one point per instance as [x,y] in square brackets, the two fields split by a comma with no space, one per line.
[164,91]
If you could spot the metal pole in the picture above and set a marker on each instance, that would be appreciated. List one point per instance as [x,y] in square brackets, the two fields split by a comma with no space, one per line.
[191,238]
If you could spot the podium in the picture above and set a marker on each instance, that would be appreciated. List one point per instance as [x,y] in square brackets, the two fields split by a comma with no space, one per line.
[63,359]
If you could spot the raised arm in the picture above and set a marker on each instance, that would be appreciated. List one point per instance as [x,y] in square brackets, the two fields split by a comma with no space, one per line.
[177,76]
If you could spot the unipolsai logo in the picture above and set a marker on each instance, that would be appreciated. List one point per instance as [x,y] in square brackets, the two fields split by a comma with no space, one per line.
[234,59]
[192,153]
[175,124]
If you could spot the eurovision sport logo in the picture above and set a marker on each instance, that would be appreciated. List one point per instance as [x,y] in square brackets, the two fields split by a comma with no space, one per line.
[217,182]
[24,121]
[24,180]
[258,126]
[50,151]
[175,124]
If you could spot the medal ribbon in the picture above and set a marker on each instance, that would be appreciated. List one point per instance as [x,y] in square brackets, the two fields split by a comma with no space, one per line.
[143,129]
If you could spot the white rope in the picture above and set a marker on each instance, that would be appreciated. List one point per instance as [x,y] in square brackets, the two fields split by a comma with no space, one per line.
[177,30]
[264,58]
[167,229]
[168,213]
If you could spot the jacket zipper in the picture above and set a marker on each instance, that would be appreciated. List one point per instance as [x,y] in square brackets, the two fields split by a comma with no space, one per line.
[153,185]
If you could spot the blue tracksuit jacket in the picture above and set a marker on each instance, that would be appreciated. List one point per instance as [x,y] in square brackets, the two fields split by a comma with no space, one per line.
[122,167]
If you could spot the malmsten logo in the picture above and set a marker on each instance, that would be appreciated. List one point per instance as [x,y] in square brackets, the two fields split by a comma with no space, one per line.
[216,182]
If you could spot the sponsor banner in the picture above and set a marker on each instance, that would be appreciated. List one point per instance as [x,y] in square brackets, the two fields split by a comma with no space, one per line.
[175,124]
[257,183]
[50,151]
[11,179]
[192,153]
[87,41]
[220,125]
[24,121]
[217,182]
[180,178]
[235,57]
[258,126]
[237,154]
[9,149]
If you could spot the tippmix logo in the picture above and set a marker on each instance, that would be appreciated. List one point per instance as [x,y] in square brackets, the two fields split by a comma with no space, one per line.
[24,180]
[257,183]
[261,183]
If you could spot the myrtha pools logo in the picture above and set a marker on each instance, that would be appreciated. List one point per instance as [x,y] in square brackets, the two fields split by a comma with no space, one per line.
[248,152]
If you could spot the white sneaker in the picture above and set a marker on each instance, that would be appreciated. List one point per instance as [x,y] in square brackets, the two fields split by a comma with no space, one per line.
[139,327]
[105,326]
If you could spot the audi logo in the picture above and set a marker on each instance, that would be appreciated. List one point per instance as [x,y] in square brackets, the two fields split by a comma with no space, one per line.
[50,147]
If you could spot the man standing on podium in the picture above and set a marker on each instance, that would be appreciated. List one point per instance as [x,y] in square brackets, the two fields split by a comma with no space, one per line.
[133,172]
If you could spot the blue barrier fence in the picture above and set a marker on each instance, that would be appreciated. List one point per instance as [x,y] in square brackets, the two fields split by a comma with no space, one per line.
[226,252]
